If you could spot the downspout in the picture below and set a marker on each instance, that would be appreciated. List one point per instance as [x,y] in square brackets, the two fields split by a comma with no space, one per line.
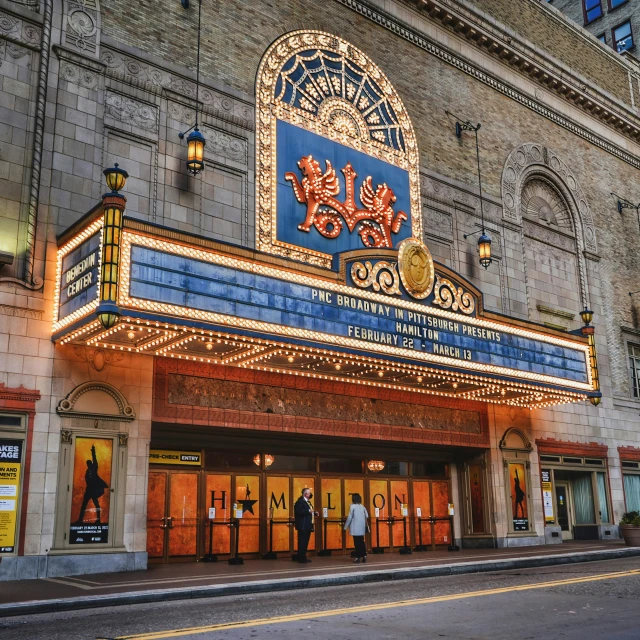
[38,132]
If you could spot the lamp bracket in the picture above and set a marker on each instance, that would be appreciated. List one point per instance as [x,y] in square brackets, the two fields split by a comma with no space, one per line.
[182,134]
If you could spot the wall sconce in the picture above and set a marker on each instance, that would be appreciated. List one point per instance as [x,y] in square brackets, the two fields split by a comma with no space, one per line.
[376,465]
[113,205]
[623,203]
[268,460]
[195,140]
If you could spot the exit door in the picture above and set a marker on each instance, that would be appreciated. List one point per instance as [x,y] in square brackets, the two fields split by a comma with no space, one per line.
[172,516]
[563,509]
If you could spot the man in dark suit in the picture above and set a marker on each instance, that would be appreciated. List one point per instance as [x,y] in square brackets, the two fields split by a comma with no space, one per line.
[304,513]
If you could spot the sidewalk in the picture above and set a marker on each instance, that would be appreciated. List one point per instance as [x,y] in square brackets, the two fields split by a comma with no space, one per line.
[163,582]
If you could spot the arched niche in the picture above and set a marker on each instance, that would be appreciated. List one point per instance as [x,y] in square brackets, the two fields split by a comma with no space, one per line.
[538,186]
[515,439]
[96,401]
[321,83]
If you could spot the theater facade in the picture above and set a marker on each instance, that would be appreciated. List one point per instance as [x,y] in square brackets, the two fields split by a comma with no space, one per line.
[359,335]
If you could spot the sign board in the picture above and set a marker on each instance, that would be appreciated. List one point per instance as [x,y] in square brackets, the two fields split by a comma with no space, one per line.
[419,512]
[212,513]
[325,512]
[80,275]
[166,456]
[298,310]
[404,510]
[10,472]
[239,513]
[451,509]
[547,496]
[377,512]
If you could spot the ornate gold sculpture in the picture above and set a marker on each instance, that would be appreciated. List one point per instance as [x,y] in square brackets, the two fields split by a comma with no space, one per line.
[416,268]
[317,190]
[448,296]
[382,276]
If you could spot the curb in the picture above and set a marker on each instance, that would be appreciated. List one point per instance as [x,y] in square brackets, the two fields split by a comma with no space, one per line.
[289,584]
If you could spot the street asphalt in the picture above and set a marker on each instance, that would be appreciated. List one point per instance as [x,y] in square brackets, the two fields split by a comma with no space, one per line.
[594,600]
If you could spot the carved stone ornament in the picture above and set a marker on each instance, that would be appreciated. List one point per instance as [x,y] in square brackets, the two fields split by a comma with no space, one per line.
[78,75]
[66,436]
[98,358]
[381,276]
[96,401]
[81,24]
[123,439]
[132,112]
[515,439]
[449,296]
[322,83]
[416,268]
[530,160]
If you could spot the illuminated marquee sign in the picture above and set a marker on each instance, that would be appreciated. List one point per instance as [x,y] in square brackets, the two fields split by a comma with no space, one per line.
[79,278]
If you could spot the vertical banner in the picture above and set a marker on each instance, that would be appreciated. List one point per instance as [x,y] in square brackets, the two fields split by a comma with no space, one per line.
[518,490]
[10,470]
[547,497]
[218,496]
[91,495]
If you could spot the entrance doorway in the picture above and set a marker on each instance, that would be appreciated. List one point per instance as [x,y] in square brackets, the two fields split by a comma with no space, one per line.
[172,516]
[563,509]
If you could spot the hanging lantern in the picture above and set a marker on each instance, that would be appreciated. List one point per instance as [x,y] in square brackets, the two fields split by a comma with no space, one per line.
[195,151]
[484,249]
[376,465]
[268,460]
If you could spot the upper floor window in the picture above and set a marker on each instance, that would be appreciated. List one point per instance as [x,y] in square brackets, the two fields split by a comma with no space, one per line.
[592,10]
[603,38]
[616,3]
[623,37]
[634,369]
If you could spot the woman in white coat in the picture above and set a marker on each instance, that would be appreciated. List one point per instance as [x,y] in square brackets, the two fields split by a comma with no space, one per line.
[357,525]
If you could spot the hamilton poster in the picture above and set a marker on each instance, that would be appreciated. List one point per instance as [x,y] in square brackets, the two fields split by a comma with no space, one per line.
[518,487]
[91,492]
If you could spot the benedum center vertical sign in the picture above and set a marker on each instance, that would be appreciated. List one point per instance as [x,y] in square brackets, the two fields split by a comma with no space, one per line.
[10,470]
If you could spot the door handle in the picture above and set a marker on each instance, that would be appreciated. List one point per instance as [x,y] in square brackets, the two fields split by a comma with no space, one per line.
[169,522]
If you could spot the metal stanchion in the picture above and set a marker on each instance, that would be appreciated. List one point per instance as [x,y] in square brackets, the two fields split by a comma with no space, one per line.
[324,551]
[406,549]
[453,546]
[421,546]
[377,549]
[210,557]
[236,559]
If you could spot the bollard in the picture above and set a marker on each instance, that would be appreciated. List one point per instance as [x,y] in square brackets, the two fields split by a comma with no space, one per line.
[236,560]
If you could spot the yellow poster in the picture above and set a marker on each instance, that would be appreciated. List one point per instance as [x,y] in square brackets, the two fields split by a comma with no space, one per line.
[10,469]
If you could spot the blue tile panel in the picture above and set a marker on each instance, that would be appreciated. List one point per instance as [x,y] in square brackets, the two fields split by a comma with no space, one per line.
[293,144]
[186,282]
[73,297]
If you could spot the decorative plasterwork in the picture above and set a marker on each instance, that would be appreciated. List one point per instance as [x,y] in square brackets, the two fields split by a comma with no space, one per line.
[19,31]
[533,161]
[68,407]
[599,107]
[350,101]
[515,439]
[129,111]
[151,78]
[540,201]
[81,25]
[553,446]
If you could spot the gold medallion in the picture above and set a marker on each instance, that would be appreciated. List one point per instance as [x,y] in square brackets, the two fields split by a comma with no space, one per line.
[416,268]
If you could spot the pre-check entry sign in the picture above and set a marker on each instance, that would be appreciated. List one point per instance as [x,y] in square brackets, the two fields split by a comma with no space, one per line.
[10,469]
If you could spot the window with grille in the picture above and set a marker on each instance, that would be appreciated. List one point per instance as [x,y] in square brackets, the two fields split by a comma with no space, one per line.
[634,369]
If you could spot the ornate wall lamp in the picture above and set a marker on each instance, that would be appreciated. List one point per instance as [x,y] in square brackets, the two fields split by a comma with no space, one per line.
[113,205]
[195,140]
[484,241]
[623,203]
[595,397]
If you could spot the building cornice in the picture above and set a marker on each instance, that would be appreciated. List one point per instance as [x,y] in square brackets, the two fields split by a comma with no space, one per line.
[615,116]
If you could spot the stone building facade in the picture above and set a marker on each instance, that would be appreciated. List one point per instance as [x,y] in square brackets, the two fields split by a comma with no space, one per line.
[613,22]
[87,84]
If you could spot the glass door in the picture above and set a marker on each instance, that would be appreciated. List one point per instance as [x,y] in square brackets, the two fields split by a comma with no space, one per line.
[563,509]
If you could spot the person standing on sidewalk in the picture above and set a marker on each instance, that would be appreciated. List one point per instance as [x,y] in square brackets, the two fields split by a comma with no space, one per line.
[303,512]
[357,525]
